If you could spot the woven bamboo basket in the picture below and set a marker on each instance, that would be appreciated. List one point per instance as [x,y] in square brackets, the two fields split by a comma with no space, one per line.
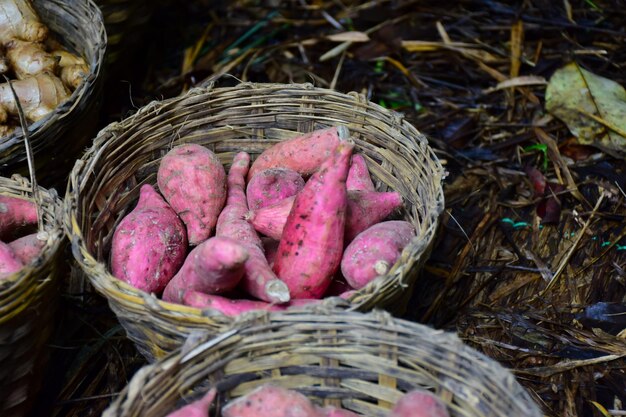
[361,362]
[59,138]
[104,185]
[28,300]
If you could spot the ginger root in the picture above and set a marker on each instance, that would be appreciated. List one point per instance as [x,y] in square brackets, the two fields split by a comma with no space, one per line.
[18,20]
[74,69]
[29,58]
[38,95]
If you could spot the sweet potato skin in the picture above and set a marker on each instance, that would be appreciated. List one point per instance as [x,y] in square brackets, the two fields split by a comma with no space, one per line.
[374,251]
[310,248]
[15,213]
[9,262]
[269,400]
[215,266]
[149,244]
[419,403]
[198,408]
[227,306]
[303,154]
[272,185]
[28,247]
[359,176]
[193,181]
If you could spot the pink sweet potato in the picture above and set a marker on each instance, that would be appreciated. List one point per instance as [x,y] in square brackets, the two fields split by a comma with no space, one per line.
[193,181]
[272,185]
[303,154]
[215,266]
[9,262]
[331,411]
[365,208]
[149,244]
[359,176]
[269,400]
[259,280]
[419,403]
[198,408]
[310,248]
[15,213]
[374,251]
[225,305]
[28,247]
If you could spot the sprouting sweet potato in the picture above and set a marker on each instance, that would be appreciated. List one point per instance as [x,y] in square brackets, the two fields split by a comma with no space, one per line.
[149,244]
[193,181]
[270,246]
[198,408]
[215,266]
[227,306]
[310,248]
[272,185]
[269,400]
[15,213]
[365,208]
[374,251]
[303,154]
[419,403]
[9,262]
[259,280]
[331,411]
[359,176]
[29,247]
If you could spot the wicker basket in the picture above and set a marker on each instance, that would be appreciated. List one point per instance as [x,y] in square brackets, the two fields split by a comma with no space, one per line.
[60,138]
[361,362]
[28,300]
[104,184]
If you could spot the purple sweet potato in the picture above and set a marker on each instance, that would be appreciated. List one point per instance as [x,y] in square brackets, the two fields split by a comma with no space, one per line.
[215,266]
[269,400]
[198,408]
[419,403]
[303,154]
[272,185]
[374,251]
[149,244]
[28,247]
[259,280]
[227,306]
[359,176]
[9,262]
[193,181]
[15,213]
[310,248]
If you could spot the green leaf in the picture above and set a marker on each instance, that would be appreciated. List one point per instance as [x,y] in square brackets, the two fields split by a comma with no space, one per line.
[593,107]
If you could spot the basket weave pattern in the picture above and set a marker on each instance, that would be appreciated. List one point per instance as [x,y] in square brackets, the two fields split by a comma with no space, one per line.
[361,362]
[28,300]
[104,184]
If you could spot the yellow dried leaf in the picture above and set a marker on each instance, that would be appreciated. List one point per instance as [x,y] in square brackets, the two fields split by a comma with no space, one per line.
[349,37]
[593,107]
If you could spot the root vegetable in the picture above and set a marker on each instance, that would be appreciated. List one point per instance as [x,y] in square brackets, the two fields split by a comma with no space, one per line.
[374,251]
[199,408]
[272,185]
[15,214]
[227,306]
[419,403]
[6,130]
[27,248]
[359,176]
[74,69]
[309,252]
[303,154]
[269,400]
[9,262]
[215,266]
[336,412]
[193,181]
[259,279]
[38,95]
[149,244]
[29,59]
[18,20]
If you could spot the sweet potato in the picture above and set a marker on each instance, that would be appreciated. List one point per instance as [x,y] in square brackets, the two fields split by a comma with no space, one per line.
[374,251]
[215,266]
[9,262]
[269,400]
[225,305]
[309,252]
[15,213]
[272,185]
[365,208]
[198,408]
[303,154]
[331,411]
[193,181]
[149,244]
[419,403]
[259,280]
[359,176]
[28,247]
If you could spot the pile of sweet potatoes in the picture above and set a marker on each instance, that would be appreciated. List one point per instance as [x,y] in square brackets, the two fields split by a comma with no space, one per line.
[271,400]
[302,222]
[20,243]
